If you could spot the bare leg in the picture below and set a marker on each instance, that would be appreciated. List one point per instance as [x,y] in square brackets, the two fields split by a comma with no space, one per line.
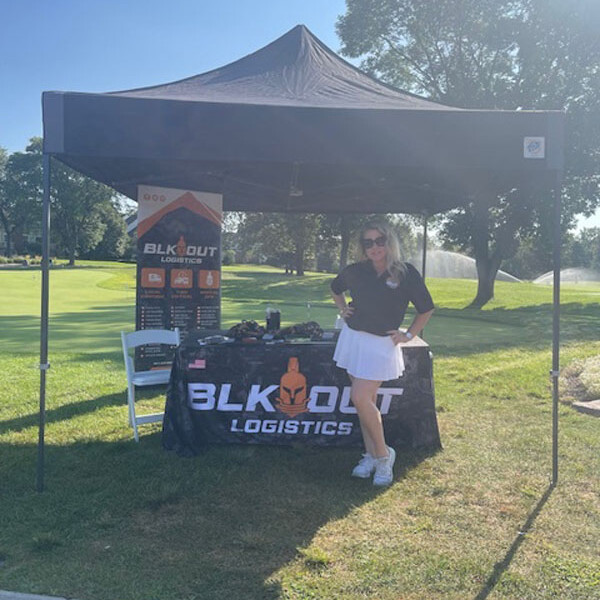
[368,442]
[364,393]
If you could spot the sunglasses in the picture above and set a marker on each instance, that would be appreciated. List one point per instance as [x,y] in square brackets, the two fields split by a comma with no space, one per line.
[378,241]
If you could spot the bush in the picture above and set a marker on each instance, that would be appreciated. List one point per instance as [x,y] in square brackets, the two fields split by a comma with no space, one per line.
[15,259]
[580,381]
[228,257]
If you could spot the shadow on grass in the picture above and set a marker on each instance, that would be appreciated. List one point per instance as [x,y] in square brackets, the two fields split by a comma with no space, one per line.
[66,267]
[462,332]
[63,413]
[130,521]
[94,330]
[277,287]
[504,564]
[456,332]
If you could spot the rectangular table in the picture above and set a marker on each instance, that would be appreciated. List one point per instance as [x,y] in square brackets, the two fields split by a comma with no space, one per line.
[288,392]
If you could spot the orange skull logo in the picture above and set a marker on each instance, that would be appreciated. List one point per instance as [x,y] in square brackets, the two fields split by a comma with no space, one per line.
[292,390]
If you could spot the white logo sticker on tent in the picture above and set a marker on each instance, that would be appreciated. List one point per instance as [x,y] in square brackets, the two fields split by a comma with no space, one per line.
[534,147]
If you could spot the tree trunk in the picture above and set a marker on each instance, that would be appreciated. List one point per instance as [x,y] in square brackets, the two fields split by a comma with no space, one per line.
[299,258]
[487,268]
[18,240]
[8,244]
[345,231]
[72,250]
[7,235]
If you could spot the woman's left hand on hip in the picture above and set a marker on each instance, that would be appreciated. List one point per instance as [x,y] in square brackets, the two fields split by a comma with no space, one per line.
[398,337]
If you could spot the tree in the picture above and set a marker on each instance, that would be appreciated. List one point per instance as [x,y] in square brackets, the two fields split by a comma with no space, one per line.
[20,193]
[4,208]
[115,241]
[342,228]
[297,241]
[81,207]
[286,240]
[583,250]
[506,54]
[260,239]
[78,204]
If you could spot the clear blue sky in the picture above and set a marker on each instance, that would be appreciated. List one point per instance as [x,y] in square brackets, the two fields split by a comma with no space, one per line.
[109,45]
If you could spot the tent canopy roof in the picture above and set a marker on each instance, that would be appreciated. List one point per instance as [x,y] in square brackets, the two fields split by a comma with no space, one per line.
[297,69]
[293,127]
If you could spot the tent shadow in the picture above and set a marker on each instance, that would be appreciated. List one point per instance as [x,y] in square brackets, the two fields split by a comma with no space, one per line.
[501,566]
[63,412]
[453,331]
[224,522]
[97,328]
[527,327]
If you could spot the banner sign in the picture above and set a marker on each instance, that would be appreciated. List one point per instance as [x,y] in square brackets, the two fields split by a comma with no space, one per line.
[178,266]
[288,393]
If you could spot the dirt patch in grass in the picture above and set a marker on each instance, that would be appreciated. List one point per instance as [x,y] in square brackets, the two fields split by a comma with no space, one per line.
[580,380]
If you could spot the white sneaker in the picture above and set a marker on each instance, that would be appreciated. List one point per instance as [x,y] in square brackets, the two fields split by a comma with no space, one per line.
[365,467]
[384,474]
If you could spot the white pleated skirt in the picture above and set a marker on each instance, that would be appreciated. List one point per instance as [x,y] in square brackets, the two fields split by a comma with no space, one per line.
[368,356]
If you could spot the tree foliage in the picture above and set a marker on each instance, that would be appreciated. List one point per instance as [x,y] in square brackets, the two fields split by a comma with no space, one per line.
[115,242]
[297,242]
[508,54]
[85,214]
[20,193]
[78,205]
[581,249]
[285,240]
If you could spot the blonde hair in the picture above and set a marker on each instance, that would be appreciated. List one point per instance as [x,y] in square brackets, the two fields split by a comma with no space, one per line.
[394,264]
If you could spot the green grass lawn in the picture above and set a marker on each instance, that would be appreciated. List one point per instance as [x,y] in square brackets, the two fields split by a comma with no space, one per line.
[126,521]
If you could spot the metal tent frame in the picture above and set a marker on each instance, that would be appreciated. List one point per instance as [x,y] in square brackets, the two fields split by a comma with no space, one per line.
[341,142]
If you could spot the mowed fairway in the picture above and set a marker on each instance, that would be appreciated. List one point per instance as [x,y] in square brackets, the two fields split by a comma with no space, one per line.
[126,521]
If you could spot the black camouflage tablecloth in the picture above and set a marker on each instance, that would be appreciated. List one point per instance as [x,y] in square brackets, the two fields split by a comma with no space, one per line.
[285,393]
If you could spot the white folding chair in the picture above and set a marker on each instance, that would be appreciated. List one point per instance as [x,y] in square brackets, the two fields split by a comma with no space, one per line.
[141,378]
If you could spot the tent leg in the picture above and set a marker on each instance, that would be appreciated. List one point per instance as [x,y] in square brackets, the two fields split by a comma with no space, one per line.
[424,265]
[44,366]
[556,326]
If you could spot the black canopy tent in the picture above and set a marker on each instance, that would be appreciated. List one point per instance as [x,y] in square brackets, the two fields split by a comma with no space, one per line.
[294,128]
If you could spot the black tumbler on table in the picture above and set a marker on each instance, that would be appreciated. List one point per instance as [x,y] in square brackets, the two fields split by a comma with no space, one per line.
[273,319]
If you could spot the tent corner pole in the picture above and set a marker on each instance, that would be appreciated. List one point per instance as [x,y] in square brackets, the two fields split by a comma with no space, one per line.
[556,324]
[424,256]
[44,366]
[424,265]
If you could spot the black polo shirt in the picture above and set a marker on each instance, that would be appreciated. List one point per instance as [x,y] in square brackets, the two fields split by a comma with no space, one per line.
[378,306]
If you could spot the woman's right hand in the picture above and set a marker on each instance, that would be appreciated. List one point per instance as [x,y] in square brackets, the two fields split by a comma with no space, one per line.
[346,312]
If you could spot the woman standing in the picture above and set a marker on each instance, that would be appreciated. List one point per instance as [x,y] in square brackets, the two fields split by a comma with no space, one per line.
[381,286]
